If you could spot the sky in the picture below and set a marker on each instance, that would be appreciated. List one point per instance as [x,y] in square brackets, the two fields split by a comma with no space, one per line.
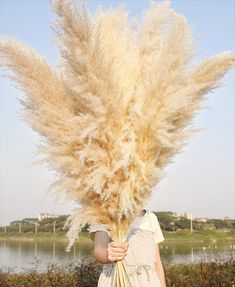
[199,181]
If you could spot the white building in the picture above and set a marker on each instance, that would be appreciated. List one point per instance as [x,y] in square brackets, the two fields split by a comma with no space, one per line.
[202,219]
[42,216]
[182,214]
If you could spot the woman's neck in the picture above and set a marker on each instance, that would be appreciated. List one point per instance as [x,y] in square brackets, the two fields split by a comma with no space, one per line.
[141,213]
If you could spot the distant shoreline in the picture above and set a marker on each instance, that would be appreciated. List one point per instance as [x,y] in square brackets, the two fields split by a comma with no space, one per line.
[180,235]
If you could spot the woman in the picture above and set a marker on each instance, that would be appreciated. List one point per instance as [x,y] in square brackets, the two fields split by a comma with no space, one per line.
[141,252]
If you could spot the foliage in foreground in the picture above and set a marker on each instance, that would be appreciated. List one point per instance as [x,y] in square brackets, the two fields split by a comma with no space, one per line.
[215,273]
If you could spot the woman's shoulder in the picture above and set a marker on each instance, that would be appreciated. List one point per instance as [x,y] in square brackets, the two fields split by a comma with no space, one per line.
[152,215]
[158,235]
[153,220]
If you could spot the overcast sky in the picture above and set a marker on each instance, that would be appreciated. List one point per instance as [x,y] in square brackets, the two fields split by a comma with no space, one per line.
[200,180]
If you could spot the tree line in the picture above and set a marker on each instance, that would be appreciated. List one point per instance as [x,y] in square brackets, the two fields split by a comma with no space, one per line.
[167,220]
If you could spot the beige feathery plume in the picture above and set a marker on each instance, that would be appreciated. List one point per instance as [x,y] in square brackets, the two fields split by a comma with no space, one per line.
[117,108]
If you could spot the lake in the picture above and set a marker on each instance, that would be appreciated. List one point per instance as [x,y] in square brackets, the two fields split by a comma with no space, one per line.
[19,254]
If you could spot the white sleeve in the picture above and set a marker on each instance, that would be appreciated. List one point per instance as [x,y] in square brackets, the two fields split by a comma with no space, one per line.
[97,227]
[158,235]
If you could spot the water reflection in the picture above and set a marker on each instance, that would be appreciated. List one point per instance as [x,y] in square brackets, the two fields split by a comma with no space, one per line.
[191,253]
[20,254]
[192,257]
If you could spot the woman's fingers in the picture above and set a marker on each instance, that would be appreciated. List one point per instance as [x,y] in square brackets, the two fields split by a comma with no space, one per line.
[115,257]
[126,245]
[116,245]
[116,251]
[116,254]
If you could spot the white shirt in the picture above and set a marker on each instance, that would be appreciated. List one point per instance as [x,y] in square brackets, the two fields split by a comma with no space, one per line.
[148,221]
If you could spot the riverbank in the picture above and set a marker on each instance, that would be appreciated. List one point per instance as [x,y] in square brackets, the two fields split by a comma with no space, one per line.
[41,236]
[201,236]
[180,235]
[86,273]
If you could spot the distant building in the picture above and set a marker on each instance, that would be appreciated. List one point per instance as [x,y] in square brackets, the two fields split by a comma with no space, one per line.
[182,214]
[202,219]
[42,216]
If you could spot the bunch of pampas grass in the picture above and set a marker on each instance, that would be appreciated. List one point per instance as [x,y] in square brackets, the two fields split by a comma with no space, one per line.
[116,109]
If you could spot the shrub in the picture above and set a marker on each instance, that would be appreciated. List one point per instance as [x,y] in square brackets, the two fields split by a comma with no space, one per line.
[216,272]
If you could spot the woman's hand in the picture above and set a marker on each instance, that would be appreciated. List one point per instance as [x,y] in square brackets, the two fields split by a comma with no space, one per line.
[116,251]
[108,252]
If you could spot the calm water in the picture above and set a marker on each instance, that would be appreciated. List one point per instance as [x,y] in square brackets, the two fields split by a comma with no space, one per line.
[20,254]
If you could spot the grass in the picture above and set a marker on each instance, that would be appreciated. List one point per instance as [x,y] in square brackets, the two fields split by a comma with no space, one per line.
[43,236]
[201,236]
[216,272]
